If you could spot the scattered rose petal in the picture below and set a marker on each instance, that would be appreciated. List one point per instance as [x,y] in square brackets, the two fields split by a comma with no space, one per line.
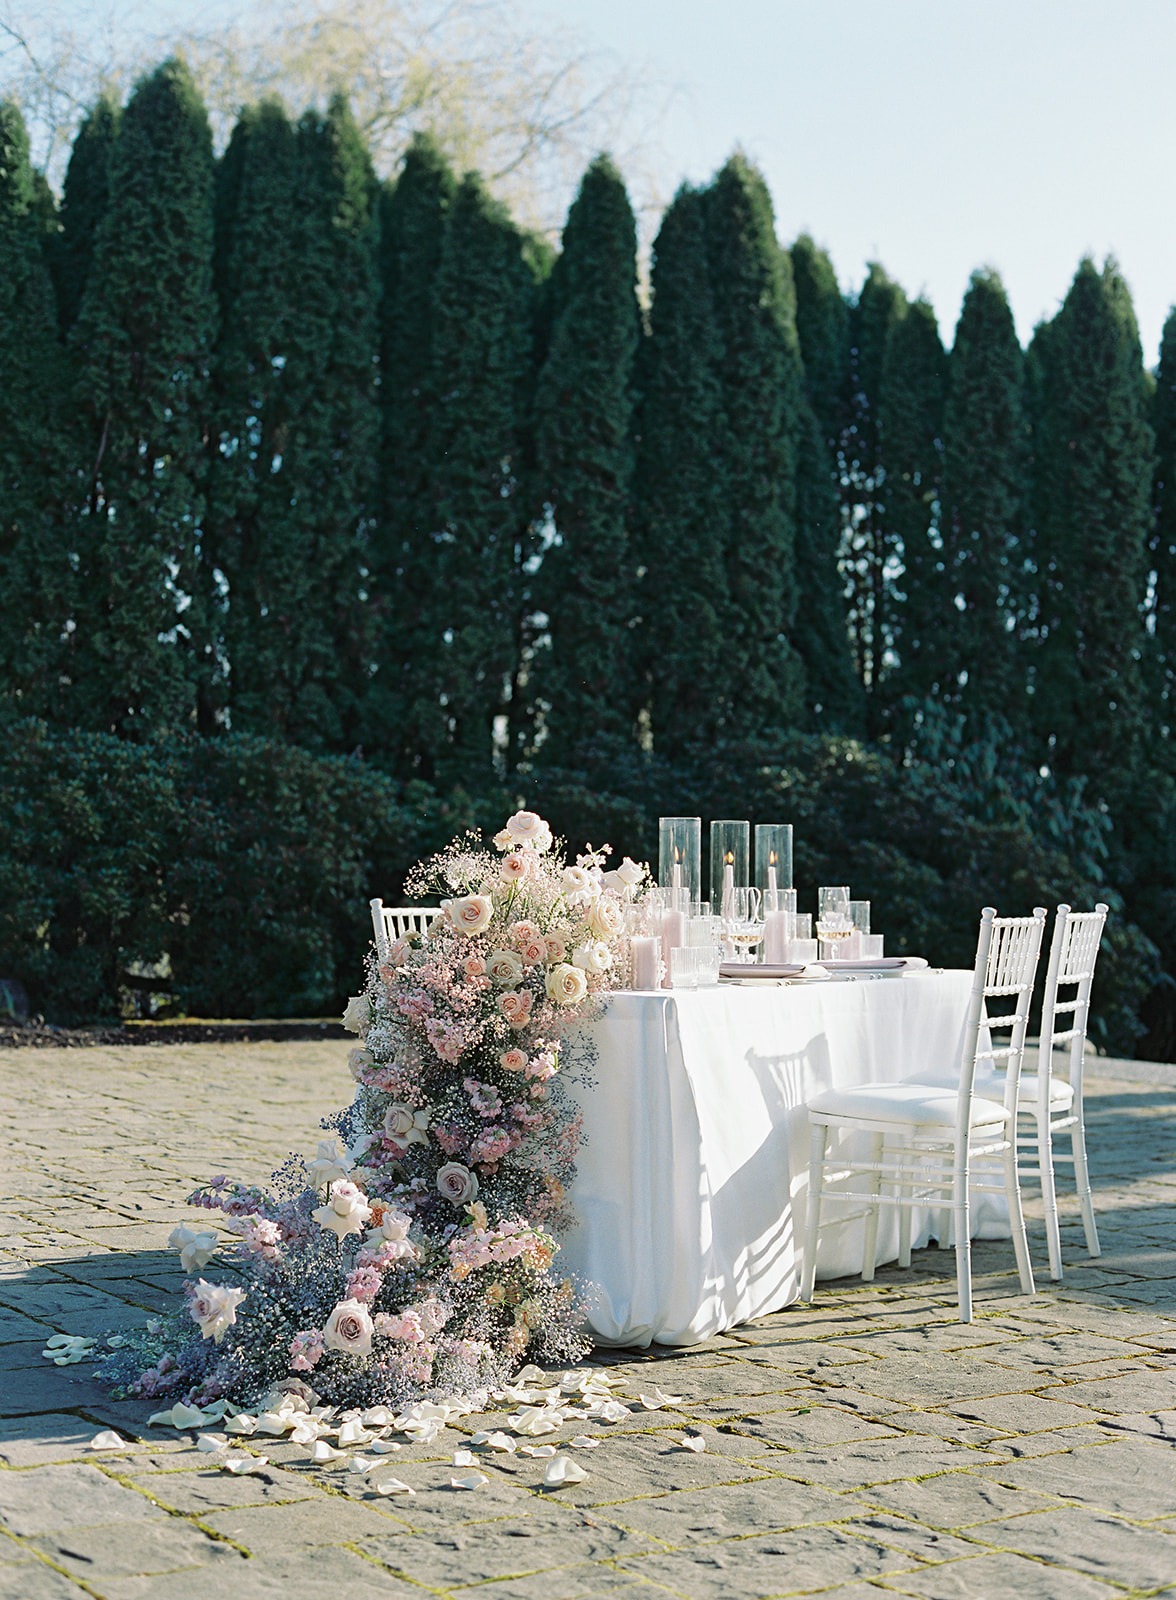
[384,1447]
[363,1464]
[242,1423]
[420,1432]
[376,1417]
[583,1442]
[108,1440]
[562,1470]
[306,1430]
[241,1466]
[275,1422]
[211,1441]
[500,1441]
[691,1441]
[612,1411]
[468,1480]
[541,1451]
[464,1458]
[180,1416]
[393,1486]
[321,1451]
[655,1400]
[353,1432]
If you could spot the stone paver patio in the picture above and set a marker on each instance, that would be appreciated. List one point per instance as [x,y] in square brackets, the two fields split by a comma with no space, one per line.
[864,1447]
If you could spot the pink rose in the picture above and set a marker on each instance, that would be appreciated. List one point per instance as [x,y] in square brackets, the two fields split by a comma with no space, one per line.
[457,1184]
[473,966]
[534,951]
[513,866]
[556,949]
[349,1328]
[513,1060]
[516,1005]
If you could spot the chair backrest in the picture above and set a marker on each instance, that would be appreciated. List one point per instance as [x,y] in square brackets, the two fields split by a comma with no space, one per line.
[390,923]
[1007,953]
[1073,952]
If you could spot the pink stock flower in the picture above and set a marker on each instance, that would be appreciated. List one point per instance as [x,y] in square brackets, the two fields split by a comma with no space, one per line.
[306,1350]
[406,1326]
[364,1283]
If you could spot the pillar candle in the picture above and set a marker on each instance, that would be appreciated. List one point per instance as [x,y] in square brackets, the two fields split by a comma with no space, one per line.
[646,951]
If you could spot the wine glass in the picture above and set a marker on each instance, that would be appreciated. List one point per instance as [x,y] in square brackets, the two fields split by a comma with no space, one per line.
[834,922]
[745,924]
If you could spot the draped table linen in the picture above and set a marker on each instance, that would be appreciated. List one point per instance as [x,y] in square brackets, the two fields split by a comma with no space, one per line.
[693,1172]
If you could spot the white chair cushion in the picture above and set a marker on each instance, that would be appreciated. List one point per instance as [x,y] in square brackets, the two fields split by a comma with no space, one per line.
[1061,1094]
[912,1104]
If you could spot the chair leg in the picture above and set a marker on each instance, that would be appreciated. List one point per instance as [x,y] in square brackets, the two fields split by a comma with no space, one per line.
[870,1241]
[962,1223]
[1017,1216]
[818,1144]
[905,1209]
[1082,1180]
[1049,1193]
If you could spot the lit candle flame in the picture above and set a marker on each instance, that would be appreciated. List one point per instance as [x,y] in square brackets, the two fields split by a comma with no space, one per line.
[772,857]
[730,858]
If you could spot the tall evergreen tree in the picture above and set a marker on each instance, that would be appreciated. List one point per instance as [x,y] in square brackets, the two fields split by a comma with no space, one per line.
[144,340]
[34,573]
[1164,525]
[985,469]
[483,314]
[1093,470]
[584,405]
[679,535]
[910,425]
[85,197]
[296,423]
[868,556]
[762,401]
[834,691]
[402,706]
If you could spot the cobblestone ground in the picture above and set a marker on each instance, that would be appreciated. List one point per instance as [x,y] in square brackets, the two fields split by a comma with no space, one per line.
[867,1446]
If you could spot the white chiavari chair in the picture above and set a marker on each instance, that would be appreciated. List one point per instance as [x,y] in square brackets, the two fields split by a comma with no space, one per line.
[931,1145]
[390,923]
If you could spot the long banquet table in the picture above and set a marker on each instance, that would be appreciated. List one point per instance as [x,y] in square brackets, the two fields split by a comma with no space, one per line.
[693,1171]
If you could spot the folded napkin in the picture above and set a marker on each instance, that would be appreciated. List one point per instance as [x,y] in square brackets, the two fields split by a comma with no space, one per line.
[752,971]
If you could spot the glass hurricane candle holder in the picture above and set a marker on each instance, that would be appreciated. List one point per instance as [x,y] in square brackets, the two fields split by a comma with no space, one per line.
[729,850]
[679,860]
[773,862]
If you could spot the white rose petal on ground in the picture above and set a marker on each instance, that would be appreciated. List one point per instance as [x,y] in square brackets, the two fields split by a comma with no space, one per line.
[464,1458]
[353,1432]
[612,1411]
[500,1441]
[562,1470]
[468,1480]
[655,1400]
[392,1486]
[384,1447]
[583,1442]
[211,1442]
[180,1416]
[363,1464]
[321,1451]
[108,1440]
[540,1451]
[276,1422]
[691,1441]
[241,1466]
[242,1423]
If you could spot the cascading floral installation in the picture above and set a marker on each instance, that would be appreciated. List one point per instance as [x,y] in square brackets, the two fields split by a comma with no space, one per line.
[417,1256]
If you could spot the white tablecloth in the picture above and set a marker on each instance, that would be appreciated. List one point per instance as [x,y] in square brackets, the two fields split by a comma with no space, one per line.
[694,1167]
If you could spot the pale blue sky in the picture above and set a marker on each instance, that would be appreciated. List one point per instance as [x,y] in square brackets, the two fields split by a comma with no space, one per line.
[932,135]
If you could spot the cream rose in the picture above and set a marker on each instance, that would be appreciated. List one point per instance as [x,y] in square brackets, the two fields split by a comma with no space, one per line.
[457,1184]
[329,1164]
[504,968]
[605,918]
[214,1308]
[595,957]
[358,1014]
[566,985]
[469,914]
[405,1125]
[198,1248]
[513,867]
[346,1210]
[529,828]
[578,885]
[349,1328]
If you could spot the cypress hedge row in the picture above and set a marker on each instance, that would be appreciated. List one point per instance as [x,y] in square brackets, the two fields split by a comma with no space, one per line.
[300,467]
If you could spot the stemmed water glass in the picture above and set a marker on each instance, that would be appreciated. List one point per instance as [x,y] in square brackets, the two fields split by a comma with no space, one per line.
[834,922]
[744,925]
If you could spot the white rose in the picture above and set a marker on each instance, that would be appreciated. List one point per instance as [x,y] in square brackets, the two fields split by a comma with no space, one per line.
[328,1165]
[214,1308]
[196,1249]
[471,913]
[349,1328]
[457,1183]
[630,872]
[503,840]
[528,827]
[579,886]
[346,1210]
[505,968]
[566,985]
[359,1061]
[606,919]
[394,1226]
[595,957]
[405,1125]
[357,1018]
